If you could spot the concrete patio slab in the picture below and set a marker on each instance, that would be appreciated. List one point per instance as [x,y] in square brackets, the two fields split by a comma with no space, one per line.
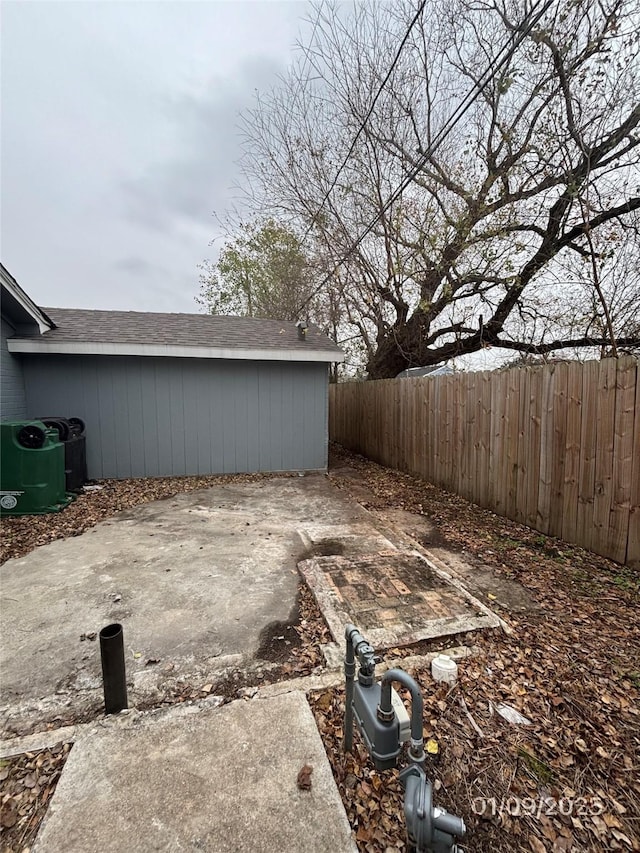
[357,538]
[220,780]
[193,579]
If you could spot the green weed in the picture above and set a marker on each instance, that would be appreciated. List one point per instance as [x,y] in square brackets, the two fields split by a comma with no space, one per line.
[536,767]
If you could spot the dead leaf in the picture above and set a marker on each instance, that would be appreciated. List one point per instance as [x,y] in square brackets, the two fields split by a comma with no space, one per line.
[536,845]
[8,814]
[619,836]
[617,806]
[552,670]
[324,701]
[304,777]
[363,833]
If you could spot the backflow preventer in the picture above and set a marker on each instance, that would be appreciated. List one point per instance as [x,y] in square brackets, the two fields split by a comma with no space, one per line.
[385,727]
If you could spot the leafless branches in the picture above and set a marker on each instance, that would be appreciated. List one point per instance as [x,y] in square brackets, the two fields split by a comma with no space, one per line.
[541,175]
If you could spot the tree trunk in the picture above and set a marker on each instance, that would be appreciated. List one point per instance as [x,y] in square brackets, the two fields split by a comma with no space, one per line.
[400,348]
[387,362]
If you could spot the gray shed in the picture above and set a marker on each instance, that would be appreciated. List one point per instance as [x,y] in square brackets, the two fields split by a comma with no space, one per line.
[178,394]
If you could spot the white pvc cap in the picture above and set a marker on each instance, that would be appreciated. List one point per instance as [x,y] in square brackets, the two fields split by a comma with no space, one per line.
[443,668]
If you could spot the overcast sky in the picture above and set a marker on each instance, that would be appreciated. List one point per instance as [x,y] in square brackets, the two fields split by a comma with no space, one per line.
[119,140]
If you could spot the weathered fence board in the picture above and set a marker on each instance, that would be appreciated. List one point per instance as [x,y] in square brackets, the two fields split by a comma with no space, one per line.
[633,540]
[571,491]
[604,455]
[555,447]
[622,460]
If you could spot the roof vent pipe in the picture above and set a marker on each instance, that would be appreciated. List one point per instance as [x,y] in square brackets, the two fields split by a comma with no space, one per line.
[302,330]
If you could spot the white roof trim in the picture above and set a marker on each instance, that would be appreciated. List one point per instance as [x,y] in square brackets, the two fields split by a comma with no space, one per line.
[38,345]
[9,282]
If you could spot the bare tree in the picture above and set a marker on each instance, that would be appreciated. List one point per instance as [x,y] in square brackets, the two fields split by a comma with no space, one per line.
[523,193]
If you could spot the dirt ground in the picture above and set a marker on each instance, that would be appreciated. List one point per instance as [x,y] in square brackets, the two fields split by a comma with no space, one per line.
[569,780]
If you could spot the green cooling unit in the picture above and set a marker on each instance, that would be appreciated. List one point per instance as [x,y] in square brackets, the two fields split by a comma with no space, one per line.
[32,477]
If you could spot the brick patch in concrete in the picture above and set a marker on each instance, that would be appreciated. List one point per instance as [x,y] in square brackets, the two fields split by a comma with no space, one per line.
[395,597]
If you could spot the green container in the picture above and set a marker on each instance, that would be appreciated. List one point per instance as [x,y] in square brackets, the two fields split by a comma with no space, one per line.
[32,477]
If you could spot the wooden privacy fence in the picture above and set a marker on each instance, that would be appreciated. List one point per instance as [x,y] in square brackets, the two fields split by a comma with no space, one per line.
[555,447]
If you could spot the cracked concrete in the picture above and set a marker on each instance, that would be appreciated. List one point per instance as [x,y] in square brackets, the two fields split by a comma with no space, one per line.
[333,676]
[193,579]
[393,592]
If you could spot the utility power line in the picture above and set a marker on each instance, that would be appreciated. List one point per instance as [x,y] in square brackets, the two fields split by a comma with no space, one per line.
[363,123]
[529,22]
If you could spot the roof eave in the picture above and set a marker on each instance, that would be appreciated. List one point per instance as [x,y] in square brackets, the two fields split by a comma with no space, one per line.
[43,346]
[11,286]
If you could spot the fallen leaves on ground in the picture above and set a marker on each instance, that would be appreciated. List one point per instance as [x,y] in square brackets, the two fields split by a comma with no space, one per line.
[568,782]
[23,804]
[312,631]
[27,783]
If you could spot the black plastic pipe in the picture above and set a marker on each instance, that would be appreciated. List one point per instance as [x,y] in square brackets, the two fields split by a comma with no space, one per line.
[114,676]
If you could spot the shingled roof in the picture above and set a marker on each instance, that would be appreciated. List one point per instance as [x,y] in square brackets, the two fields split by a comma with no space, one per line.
[186,335]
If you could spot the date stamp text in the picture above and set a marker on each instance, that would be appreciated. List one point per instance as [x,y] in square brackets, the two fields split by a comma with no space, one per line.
[538,807]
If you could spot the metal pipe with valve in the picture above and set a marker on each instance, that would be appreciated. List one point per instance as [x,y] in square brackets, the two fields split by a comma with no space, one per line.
[384,724]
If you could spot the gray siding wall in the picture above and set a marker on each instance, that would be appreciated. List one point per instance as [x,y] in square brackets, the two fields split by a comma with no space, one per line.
[13,403]
[150,417]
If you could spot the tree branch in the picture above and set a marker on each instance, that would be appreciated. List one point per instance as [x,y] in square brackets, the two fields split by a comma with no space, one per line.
[585,341]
